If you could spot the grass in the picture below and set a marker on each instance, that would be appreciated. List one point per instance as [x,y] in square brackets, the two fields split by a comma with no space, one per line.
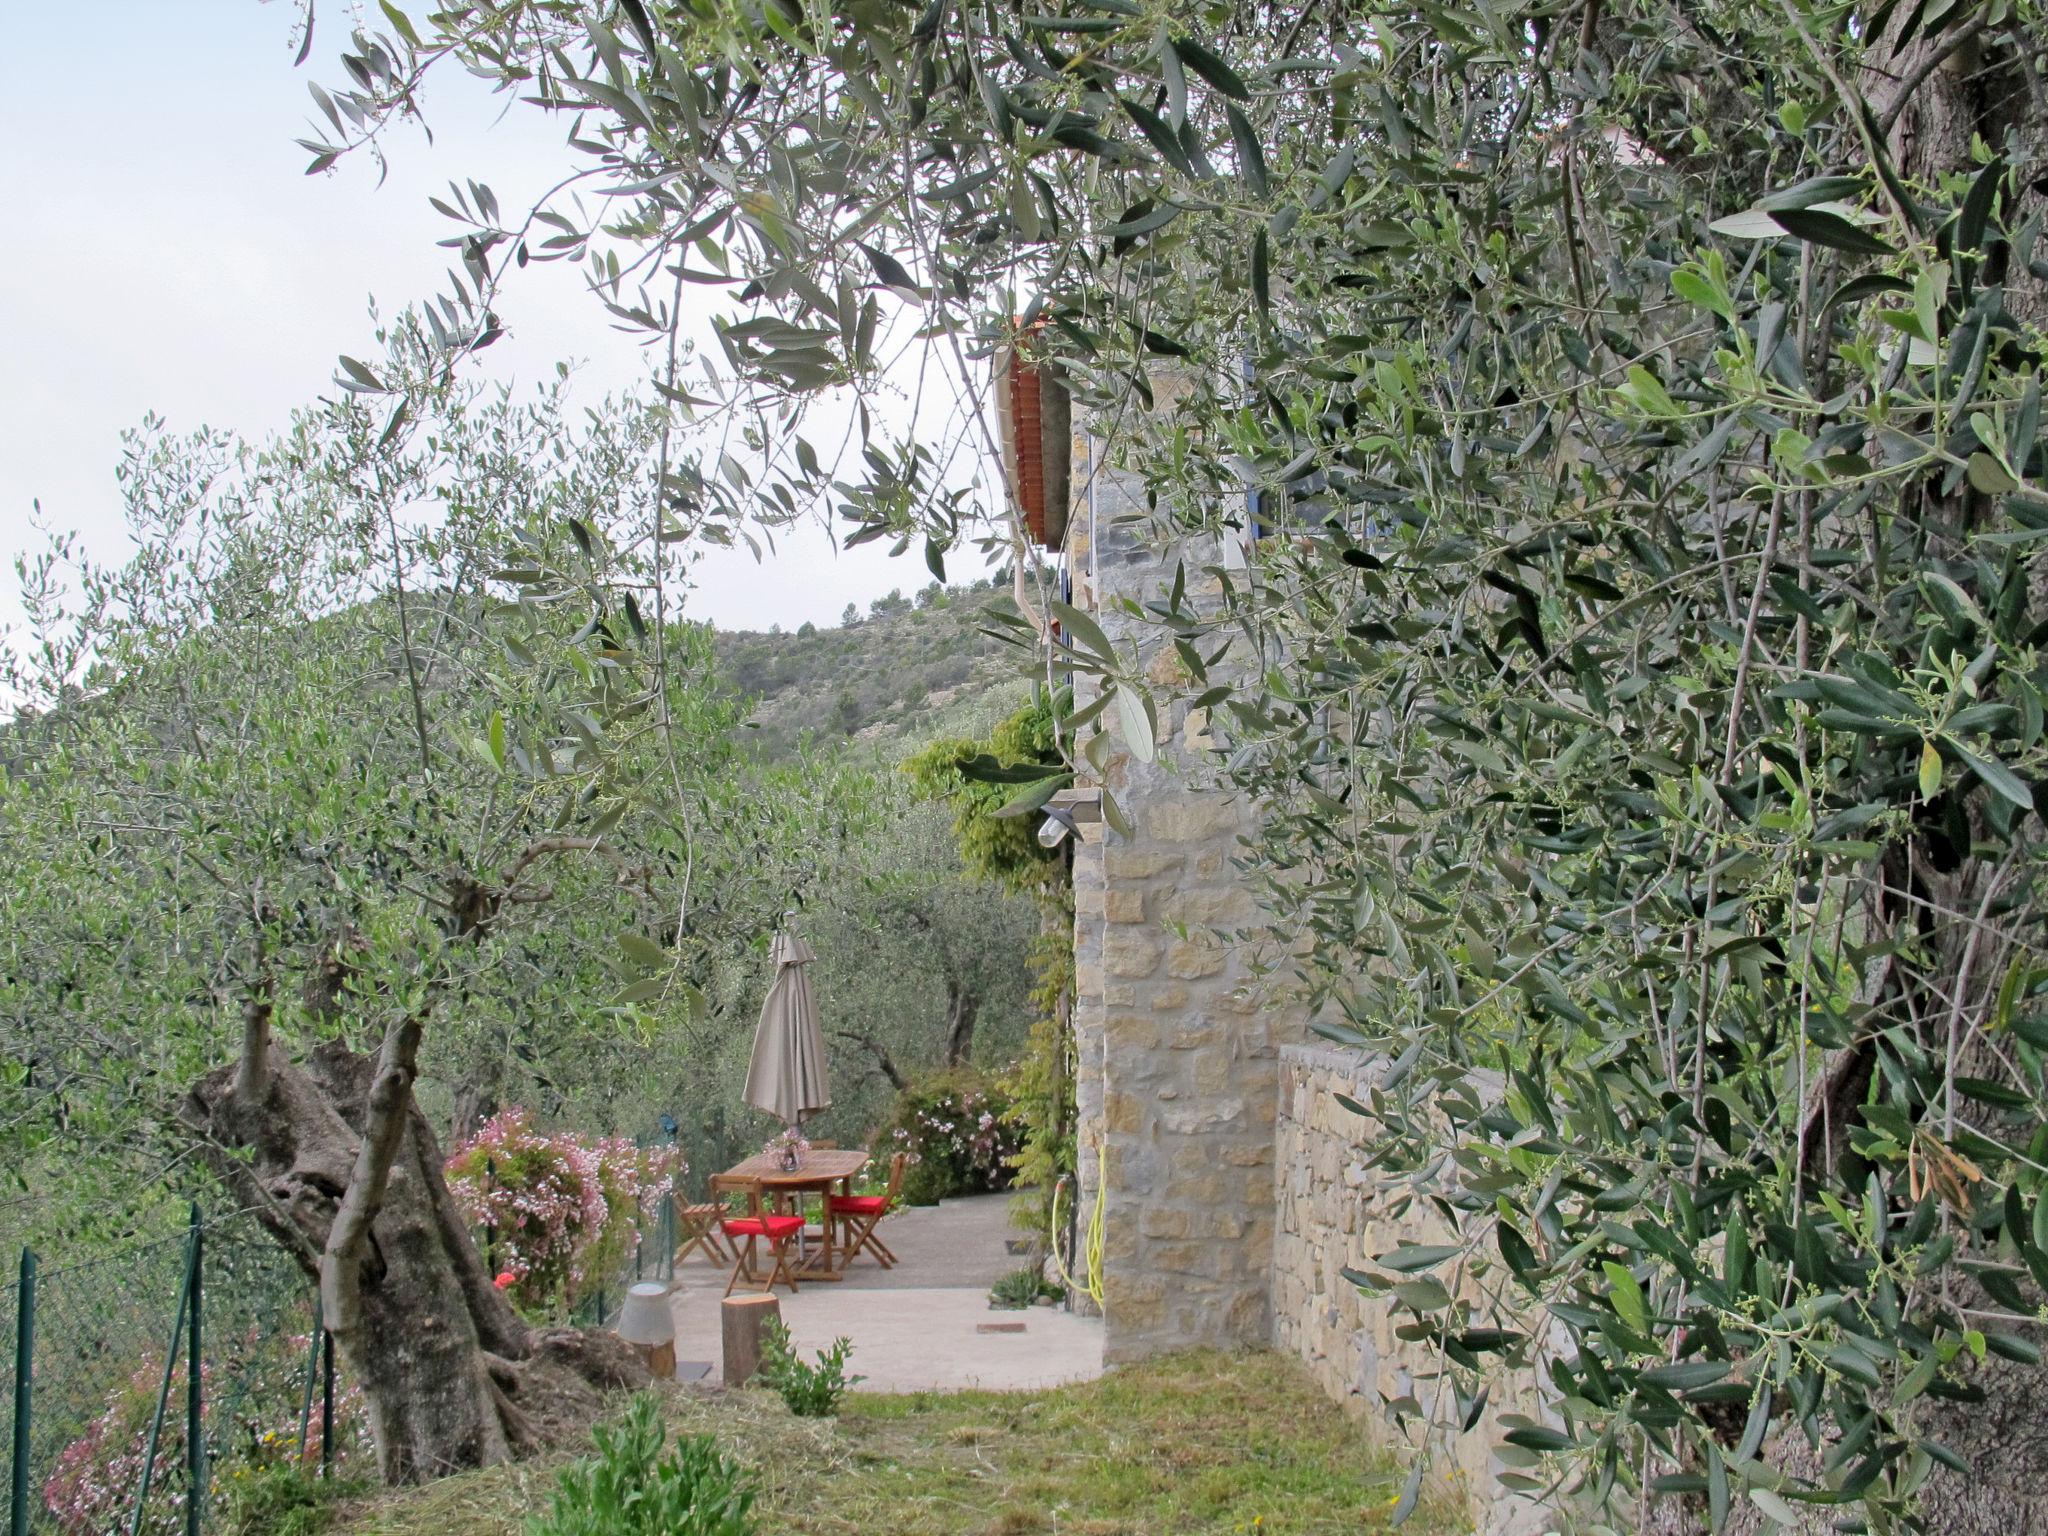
[1196,1445]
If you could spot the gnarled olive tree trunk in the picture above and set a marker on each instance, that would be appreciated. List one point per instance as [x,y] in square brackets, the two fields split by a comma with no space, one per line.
[342,1168]
[1931,102]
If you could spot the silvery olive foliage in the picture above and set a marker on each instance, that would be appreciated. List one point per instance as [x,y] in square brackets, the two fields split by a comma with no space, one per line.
[396,702]
[1633,411]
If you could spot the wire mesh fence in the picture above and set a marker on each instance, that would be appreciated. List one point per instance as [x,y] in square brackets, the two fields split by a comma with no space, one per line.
[110,1429]
[106,1429]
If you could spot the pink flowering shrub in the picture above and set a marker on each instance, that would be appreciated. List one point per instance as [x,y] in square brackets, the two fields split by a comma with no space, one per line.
[97,1476]
[92,1487]
[960,1136]
[563,1210]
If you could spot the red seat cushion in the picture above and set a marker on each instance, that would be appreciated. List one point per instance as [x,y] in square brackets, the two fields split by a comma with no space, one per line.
[859,1205]
[771,1227]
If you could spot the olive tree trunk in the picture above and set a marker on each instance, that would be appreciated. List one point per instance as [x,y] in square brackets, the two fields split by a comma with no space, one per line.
[342,1168]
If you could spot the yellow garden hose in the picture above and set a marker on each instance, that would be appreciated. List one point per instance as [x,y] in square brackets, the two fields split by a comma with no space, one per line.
[1091,1246]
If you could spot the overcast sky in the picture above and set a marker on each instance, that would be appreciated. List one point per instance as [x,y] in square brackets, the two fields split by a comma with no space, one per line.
[166,252]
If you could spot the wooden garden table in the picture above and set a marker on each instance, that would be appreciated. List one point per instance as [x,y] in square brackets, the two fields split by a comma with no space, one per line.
[822,1168]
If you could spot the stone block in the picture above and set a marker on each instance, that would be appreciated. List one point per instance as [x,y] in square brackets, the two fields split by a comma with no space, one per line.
[1123,904]
[1182,1258]
[1211,904]
[1190,960]
[1156,1222]
[1129,952]
[1137,861]
[1216,1222]
[1247,1316]
[1215,1073]
[1122,1114]
[1167,670]
[1195,818]
[1204,1119]
[1130,1032]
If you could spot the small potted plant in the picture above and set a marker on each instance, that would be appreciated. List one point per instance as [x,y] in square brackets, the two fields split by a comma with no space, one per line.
[789,1147]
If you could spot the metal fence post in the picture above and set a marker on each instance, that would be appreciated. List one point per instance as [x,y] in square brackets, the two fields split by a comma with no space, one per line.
[312,1377]
[665,1223]
[326,1403]
[163,1393]
[24,1378]
[490,1226]
[195,1435]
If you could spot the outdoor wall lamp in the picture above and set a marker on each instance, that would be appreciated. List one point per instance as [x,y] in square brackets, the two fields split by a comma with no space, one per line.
[1069,811]
[1054,829]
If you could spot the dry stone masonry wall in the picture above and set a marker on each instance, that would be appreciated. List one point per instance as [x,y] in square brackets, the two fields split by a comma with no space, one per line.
[1334,1213]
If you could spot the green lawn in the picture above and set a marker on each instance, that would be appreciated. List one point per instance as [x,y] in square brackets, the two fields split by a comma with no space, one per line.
[1196,1445]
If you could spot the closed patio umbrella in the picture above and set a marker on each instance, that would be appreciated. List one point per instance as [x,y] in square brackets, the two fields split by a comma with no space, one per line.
[787,1074]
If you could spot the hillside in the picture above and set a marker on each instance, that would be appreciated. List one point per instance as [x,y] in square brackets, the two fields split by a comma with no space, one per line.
[899,675]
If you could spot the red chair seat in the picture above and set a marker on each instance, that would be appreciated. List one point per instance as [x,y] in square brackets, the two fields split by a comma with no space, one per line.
[859,1205]
[770,1227]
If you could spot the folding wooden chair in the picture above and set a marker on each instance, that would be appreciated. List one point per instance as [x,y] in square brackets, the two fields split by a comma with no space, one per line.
[697,1227]
[860,1214]
[757,1226]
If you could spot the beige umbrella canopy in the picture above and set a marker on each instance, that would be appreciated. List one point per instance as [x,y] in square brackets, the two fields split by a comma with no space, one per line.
[787,1074]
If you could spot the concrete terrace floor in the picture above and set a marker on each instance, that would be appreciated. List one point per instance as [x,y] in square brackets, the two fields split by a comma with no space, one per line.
[914,1327]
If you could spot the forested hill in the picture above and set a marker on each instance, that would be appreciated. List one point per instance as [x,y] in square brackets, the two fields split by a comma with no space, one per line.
[906,670]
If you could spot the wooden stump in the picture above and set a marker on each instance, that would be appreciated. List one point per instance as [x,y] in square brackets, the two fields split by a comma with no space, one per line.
[740,1321]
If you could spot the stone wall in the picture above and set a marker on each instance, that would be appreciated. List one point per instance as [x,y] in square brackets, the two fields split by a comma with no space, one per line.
[1179,1067]
[1334,1214]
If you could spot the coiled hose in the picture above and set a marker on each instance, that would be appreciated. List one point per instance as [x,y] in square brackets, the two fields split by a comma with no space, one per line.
[1091,1247]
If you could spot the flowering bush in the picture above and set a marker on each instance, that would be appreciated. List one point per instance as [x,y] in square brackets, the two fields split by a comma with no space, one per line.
[97,1476]
[93,1486]
[562,1211]
[959,1135]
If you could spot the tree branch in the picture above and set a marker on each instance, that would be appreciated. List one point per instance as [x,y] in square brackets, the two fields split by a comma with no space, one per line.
[384,1124]
[882,1057]
[252,1070]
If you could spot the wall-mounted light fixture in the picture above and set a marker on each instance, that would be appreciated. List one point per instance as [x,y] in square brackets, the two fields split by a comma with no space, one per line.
[1068,812]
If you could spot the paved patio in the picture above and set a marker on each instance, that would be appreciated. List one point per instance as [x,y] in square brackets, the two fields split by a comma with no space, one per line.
[914,1328]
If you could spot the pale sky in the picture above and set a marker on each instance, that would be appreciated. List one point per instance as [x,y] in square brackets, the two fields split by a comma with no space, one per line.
[165,251]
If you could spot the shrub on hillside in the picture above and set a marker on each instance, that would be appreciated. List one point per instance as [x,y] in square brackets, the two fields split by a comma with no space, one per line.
[93,1485]
[630,1488]
[808,1391]
[561,1211]
[959,1134]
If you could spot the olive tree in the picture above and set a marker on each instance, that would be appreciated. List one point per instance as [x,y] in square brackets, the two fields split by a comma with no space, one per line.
[1633,411]
[287,807]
